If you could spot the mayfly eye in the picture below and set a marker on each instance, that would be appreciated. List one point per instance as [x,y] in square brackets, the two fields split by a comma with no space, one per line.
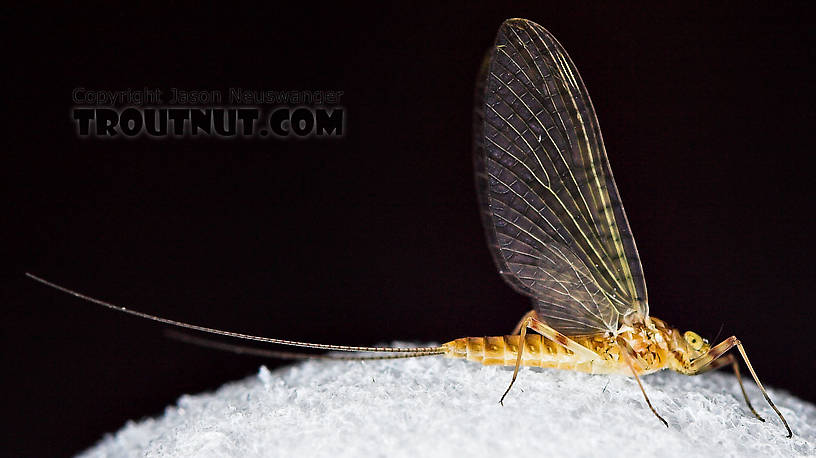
[694,340]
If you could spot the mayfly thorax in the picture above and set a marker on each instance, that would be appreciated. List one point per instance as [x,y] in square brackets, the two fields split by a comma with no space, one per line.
[557,231]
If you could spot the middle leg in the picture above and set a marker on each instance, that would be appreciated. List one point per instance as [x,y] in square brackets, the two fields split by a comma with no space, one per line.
[630,358]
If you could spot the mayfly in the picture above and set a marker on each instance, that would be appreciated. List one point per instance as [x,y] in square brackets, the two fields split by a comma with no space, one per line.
[557,231]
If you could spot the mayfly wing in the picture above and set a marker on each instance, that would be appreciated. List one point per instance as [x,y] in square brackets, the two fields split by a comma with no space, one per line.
[551,209]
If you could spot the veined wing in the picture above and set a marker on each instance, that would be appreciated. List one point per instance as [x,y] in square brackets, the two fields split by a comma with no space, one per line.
[551,209]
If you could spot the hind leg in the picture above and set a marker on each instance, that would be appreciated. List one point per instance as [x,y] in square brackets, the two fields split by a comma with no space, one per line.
[530,320]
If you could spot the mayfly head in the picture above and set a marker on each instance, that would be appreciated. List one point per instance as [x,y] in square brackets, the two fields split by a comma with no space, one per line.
[696,346]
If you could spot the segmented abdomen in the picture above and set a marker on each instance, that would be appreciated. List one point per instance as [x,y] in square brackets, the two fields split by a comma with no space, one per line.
[538,352]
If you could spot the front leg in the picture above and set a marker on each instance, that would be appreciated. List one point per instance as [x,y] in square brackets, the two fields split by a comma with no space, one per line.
[715,352]
[724,361]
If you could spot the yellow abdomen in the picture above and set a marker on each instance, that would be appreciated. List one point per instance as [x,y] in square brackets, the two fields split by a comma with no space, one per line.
[538,352]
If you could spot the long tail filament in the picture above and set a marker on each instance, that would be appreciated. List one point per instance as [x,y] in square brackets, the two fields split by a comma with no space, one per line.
[419,351]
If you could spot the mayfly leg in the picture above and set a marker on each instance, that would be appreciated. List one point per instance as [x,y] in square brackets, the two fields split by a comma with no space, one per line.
[627,354]
[717,351]
[530,320]
[522,329]
[545,330]
[523,322]
[724,361]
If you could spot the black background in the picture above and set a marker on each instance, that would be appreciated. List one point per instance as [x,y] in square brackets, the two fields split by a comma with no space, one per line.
[376,236]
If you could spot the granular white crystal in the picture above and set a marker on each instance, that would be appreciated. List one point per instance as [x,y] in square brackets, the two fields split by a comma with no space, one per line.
[437,407]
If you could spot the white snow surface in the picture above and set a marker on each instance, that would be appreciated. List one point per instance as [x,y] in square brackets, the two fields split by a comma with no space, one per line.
[438,407]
